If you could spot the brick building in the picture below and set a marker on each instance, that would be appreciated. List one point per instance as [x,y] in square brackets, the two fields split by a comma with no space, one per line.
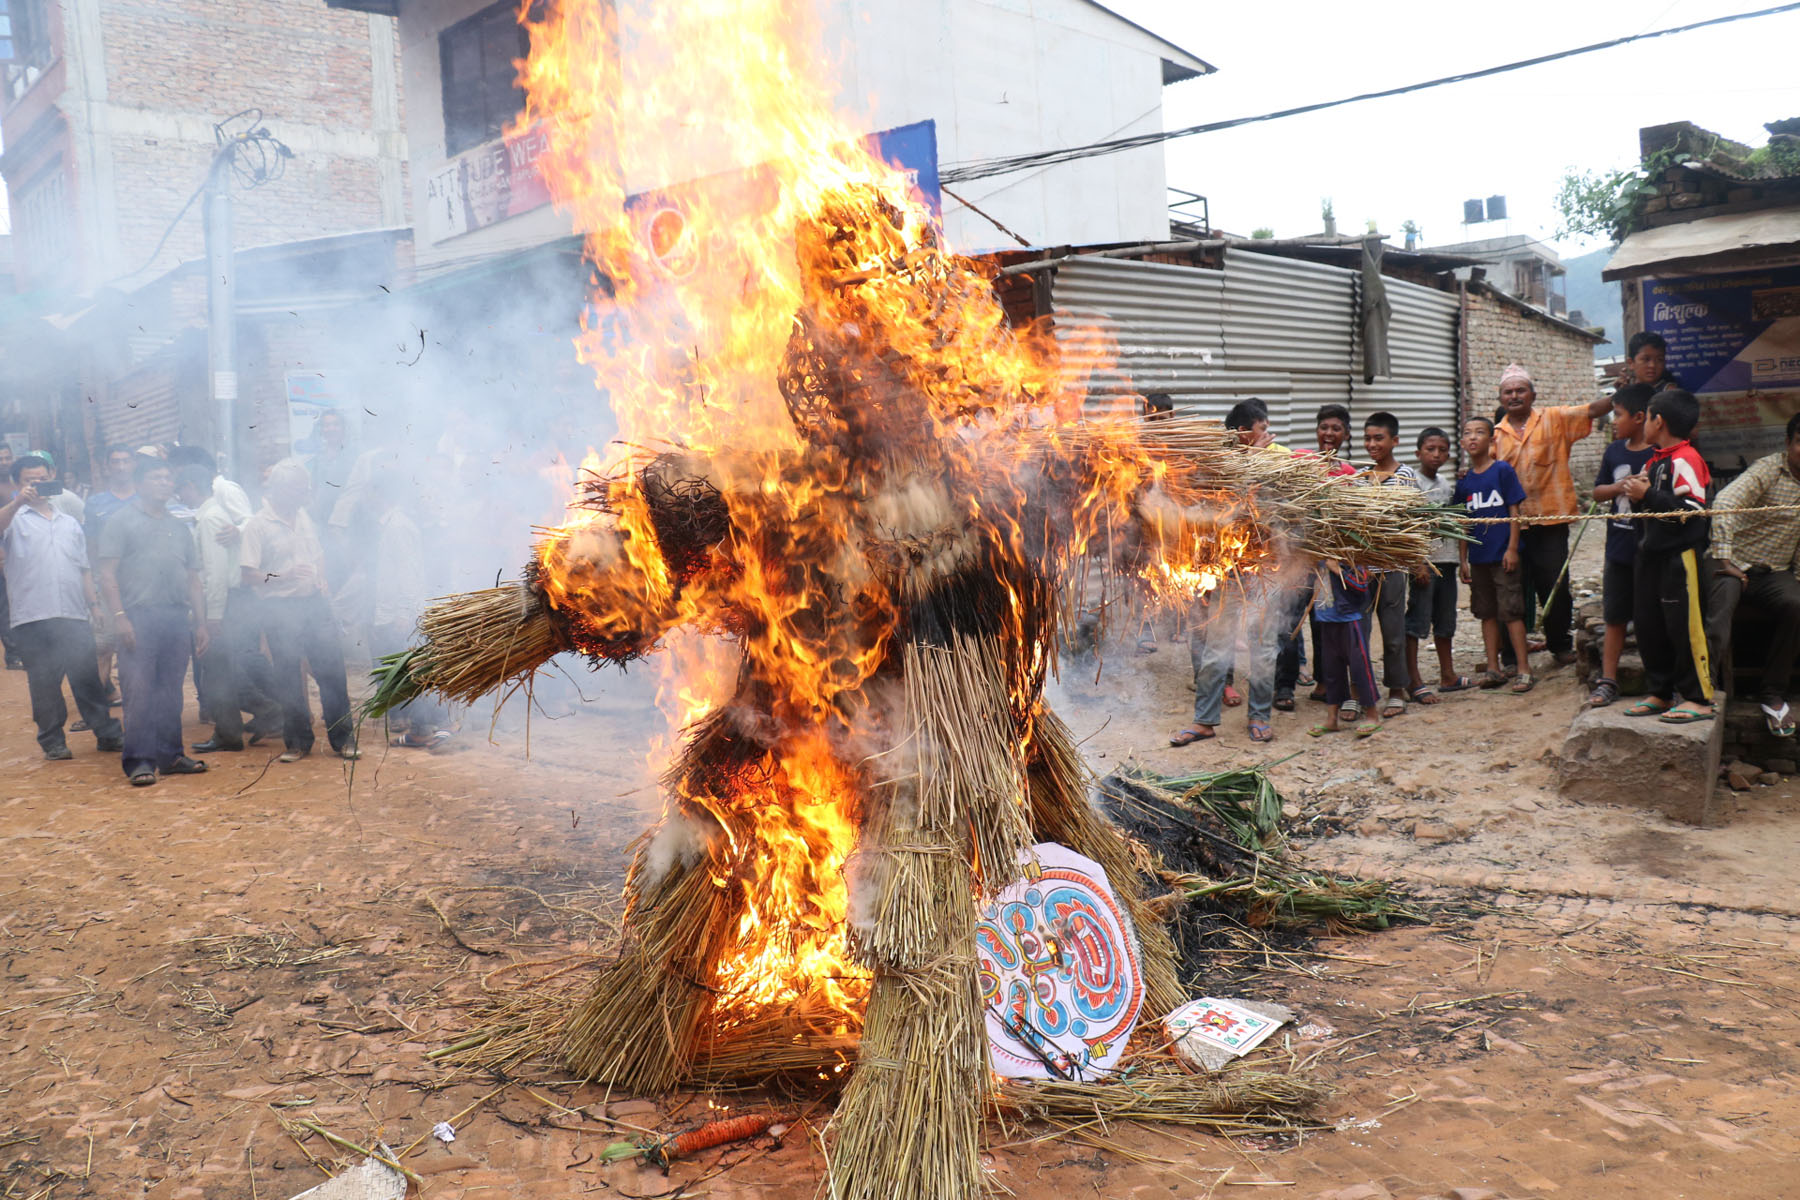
[1499,329]
[1709,258]
[111,114]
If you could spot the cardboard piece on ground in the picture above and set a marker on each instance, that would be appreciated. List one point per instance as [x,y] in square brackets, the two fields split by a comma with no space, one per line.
[370,1181]
[1210,1032]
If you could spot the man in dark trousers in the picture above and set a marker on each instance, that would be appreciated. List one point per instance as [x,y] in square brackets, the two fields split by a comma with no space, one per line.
[150,578]
[284,568]
[53,602]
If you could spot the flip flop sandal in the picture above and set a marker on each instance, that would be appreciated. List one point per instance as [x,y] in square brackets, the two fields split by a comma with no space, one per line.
[1463,683]
[1523,684]
[1780,720]
[1487,681]
[1324,730]
[1684,716]
[1188,737]
[1605,692]
[1395,707]
[1285,704]
[1647,708]
[1146,646]
[143,779]
[1305,680]
[1363,731]
[1426,695]
[1260,732]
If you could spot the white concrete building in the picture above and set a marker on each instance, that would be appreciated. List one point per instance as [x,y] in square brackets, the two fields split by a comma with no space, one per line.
[996,76]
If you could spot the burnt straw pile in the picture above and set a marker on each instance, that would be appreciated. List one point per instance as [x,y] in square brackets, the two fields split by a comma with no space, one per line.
[892,550]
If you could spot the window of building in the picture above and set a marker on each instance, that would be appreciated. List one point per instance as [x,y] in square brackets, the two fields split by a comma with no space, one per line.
[45,239]
[24,43]
[476,59]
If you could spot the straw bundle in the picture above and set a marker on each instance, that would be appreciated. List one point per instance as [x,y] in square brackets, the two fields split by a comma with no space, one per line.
[1057,789]
[471,645]
[1293,499]
[1219,844]
[1235,1101]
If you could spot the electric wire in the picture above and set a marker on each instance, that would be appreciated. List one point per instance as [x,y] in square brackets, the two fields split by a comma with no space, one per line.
[984,168]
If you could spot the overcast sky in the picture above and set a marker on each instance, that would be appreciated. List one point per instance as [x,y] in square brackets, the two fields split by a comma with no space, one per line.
[1419,156]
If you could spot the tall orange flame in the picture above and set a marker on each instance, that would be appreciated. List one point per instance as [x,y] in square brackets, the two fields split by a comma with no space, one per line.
[751,245]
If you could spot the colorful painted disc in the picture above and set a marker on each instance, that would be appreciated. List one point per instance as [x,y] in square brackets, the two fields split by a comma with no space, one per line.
[1060,976]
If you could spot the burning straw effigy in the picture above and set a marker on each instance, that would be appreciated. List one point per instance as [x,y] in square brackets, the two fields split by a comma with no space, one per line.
[836,453]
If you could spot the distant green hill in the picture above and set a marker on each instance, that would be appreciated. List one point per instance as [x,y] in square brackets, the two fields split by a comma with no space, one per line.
[1598,302]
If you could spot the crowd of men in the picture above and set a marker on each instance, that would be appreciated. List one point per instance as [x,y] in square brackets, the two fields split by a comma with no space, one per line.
[168,570]
[1675,571]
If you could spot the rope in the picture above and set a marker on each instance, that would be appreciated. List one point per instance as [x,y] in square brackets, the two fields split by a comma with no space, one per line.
[1633,516]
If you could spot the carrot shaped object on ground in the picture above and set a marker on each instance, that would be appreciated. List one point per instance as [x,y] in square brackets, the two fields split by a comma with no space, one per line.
[663,1151]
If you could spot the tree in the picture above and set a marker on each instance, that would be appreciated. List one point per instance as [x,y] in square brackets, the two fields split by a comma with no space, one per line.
[1263,233]
[1594,203]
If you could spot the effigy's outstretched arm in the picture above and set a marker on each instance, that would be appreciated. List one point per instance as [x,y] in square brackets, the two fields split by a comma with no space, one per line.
[609,586]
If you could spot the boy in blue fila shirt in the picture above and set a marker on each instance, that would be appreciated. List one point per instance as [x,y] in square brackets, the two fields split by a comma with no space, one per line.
[1490,564]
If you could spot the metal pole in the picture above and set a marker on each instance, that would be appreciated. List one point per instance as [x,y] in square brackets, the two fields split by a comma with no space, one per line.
[221,310]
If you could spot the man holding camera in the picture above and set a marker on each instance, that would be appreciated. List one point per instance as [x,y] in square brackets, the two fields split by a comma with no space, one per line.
[53,601]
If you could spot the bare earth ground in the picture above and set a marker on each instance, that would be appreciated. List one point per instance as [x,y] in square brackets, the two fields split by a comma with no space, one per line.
[1607,1006]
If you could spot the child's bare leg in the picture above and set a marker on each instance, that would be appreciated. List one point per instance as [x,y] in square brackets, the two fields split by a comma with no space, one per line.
[1490,638]
[1610,651]
[1412,662]
[1516,629]
[1446,663]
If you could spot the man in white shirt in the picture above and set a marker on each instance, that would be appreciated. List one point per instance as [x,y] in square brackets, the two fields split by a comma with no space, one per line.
[283,565]
[53,600]
[234,676]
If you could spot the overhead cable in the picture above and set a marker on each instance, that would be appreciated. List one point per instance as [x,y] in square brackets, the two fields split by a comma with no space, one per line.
[983,168]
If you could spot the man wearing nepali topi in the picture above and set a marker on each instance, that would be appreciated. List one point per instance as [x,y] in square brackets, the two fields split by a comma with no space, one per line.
[1536,442]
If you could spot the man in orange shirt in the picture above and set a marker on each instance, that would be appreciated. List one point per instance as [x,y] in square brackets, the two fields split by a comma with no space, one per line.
[1536,442]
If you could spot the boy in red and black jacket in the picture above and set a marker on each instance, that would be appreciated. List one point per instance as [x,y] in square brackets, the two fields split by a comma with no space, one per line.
[1669,601]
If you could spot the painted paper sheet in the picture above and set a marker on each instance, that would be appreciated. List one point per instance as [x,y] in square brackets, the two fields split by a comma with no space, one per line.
[1060,975]
[1231,1027]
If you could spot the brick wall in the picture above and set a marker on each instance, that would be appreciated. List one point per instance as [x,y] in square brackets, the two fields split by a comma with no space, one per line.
[175,67]
[1560,360]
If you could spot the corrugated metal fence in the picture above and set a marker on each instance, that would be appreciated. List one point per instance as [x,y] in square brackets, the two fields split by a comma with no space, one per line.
[1280,329]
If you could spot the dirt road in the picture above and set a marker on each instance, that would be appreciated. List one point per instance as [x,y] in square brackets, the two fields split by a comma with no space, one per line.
[1606,1008]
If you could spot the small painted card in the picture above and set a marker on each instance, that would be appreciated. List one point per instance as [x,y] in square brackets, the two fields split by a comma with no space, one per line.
[1230,1027]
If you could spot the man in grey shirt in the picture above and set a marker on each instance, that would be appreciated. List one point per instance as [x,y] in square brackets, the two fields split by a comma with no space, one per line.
[53,599]
[150,576]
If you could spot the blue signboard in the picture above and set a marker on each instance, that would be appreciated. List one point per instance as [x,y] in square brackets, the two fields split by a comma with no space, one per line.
[1734,341]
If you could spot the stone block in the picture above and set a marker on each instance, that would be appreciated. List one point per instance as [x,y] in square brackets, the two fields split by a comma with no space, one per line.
[1784,766]
[1610,758]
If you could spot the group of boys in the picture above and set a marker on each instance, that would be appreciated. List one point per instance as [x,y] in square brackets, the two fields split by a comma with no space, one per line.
[1515,554]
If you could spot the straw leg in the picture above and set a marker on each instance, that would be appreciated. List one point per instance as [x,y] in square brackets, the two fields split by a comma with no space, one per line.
[1057,787]
[640,1026]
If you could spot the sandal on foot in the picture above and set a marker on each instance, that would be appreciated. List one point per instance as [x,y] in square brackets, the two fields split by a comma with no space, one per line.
[1648,708]
[1394,707]
[1363,731]
[1146,646]
[143,779]
[1304,681]
[1188,737]
[1686,714]
[1284,703]
[1260,732]
[1322,730]
[1524,683]
[1780,720]
[1487,681]
[1463,683]
[1350,710]
[1605,692]
[1426,695]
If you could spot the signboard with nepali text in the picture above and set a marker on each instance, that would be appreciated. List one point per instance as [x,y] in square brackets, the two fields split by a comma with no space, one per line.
[490,183]
[1734,341]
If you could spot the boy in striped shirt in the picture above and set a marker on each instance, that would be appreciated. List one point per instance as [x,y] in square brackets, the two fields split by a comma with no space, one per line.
[1669,602]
